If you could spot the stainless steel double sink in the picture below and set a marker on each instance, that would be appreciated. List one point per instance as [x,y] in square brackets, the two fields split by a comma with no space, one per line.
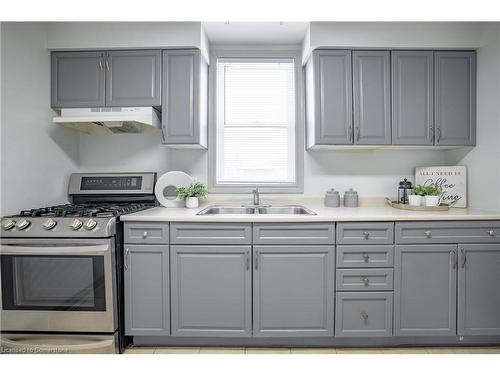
[256,210]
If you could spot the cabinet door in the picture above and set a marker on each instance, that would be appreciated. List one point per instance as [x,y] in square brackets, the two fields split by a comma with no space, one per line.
[211,291]
[372,107]
[77,79]
[133,78]
[478,295]
[184,97]
[333,97]
[412,98]
[293,291]
[455,98]
[147,310]
[425,279]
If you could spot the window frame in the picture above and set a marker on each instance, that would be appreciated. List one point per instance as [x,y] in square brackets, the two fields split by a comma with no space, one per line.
[298,186]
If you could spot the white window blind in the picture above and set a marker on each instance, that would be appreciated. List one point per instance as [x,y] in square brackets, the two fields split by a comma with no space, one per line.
[255,123]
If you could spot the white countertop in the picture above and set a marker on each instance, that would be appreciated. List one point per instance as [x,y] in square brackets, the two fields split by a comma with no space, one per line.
[371,209]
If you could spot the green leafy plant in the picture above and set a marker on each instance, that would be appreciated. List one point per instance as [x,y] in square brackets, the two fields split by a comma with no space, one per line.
[197,189]
[426,190]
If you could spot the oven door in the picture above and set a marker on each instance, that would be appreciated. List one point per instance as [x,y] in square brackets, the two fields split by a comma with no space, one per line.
[58,286]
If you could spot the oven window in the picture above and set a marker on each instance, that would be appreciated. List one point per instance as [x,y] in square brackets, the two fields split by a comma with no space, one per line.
[50,282]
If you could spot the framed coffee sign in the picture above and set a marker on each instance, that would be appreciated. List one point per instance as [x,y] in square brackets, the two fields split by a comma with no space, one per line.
[451,180]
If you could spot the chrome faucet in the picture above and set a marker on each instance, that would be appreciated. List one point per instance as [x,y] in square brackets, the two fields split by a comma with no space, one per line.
[256,198]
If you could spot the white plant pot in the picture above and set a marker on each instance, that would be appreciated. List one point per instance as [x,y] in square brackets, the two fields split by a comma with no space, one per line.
[415,200]
[432,200]
[192,202]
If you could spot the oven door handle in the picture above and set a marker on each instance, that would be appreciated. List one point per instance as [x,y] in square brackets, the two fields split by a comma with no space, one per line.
[54,250]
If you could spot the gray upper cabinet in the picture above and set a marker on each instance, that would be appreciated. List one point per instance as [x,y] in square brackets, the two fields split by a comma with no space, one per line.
[329,98]
[371,92]
[425,290]
[412,98]
[133,78]
[184,98]
[293,289]
[77,79]
[146,276]
[211,290]
[455,98]
[478,295]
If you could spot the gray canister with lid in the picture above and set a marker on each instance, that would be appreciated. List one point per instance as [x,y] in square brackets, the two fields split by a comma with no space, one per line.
[332,198]
[351,198]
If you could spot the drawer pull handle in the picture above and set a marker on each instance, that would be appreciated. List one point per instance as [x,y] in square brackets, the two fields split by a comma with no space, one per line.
[464,258]
[366,258]
[145,235]
[428,233]
[365,280]
[127,252]
[364,316]
[366,235]
[491,233]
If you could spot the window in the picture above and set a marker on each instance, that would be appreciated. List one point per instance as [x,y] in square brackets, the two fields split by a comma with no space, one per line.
[255,124]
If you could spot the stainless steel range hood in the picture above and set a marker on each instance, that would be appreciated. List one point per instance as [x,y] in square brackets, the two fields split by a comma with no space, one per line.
[111,120]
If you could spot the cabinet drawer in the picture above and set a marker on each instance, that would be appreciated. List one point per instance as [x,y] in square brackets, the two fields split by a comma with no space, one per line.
[146,233]
[363,314]
[365,256]
[364,279]
[448,232]
[294,234]
[211,234]
[365,233]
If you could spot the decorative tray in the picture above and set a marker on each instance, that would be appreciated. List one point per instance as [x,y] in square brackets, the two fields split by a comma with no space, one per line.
[400,206]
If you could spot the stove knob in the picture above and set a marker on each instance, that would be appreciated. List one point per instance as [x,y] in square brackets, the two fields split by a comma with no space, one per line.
[8,224]
[76,224]
[90,224]
[49,224]
[23,224]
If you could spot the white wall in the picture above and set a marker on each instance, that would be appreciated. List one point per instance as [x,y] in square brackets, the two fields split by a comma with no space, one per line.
[483,161]
[36,155]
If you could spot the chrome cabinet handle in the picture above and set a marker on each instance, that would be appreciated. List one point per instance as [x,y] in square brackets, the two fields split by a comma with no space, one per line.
[464,258]
[428,233]
[350,133]
[247,260]
[431,134]
[364,316]
[256,259]
[366,258]
[107,64]
[365,280]
[358,133]
[127,252]
[438,135]
[100,63]
[366,235]
[145,234]
[454,259]
[491,233]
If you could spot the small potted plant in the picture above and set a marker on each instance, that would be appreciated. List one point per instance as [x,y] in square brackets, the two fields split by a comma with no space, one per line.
[416,198]
[432,196]
[191,194]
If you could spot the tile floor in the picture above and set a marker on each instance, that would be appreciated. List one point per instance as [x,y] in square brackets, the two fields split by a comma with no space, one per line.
[237,350]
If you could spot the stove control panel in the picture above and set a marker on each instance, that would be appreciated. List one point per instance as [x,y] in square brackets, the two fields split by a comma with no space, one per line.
[111,183]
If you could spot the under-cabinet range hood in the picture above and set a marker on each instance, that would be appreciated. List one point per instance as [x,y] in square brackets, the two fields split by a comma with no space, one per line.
[111,120]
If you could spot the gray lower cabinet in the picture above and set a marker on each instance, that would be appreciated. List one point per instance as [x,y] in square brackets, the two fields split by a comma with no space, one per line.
[455,98]
[425,299]
[478,294]
[146,279]
[211,289]
[133,78]
[329,98]
[372,97]
[77,79]
[293,291]
[412,98]
[363,314]
[184,98]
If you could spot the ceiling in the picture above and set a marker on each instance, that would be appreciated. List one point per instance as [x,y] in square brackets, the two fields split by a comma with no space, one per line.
[255,32]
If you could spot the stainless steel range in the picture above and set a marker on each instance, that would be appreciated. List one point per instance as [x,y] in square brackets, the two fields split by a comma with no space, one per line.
[61,267]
